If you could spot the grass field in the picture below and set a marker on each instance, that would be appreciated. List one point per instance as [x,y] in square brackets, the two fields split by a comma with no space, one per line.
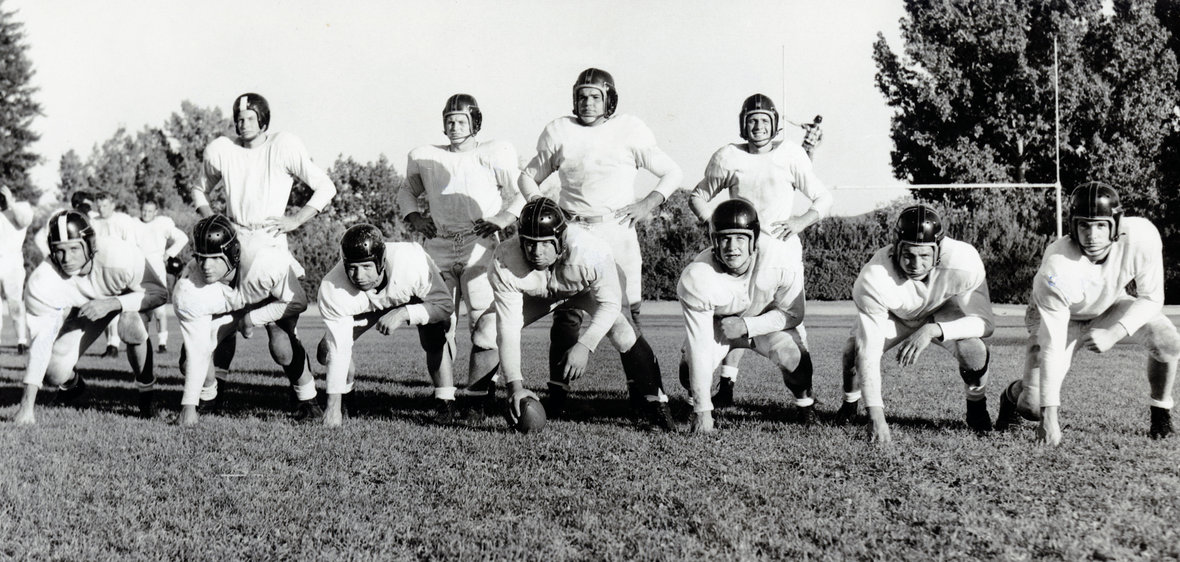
[94,482]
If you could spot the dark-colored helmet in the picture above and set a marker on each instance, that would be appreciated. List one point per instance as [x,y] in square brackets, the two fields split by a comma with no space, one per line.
[214,237]
[604,82]
[542,219]
[255,103]
[69,225]
[819,118]
[917,224]
[735,216]
[362,243]
[466,105]
[1095,200]
[82,201]
[757,103]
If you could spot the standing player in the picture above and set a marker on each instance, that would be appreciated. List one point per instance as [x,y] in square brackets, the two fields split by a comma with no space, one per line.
[1080,296]
[812,135]
[15,217]
[744,292]
[162,243]
[386,286]
[925,288]
[233,287]
[85,284]
[596,155]
[767,174]
[112,223]
[553,264]
[462,182]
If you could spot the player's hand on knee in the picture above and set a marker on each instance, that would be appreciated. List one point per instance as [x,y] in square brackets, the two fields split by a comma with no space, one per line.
[486,228]
[1100,340]
[734,327]
[392,320]
[702,422]
[99,308]
[575,361]
[913,346]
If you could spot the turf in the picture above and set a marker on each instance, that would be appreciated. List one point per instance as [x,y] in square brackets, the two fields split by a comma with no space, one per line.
[93,482]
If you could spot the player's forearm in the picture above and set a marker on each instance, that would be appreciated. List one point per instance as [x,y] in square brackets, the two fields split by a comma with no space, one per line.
[600,323]
[274,310]
[43,330]
[201,202]
[773,320]
[323,190]
[339,358]
[669,173]
[699,205]
[529,188]
[1139,313]
[964,328]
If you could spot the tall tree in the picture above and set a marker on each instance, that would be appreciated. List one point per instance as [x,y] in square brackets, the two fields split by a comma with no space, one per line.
[112,165]
[189,132]
[155,176]
[17,108]
[72,172]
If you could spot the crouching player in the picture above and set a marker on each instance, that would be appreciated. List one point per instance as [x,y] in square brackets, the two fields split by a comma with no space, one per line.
[72,296]
[1080,296]
[743,293]
[386,286]
[925,288]
[554,264]
[232,288]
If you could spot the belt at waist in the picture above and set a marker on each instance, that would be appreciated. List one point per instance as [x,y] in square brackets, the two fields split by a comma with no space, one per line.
[588,219]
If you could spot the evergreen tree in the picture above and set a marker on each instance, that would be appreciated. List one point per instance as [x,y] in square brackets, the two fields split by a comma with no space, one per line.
[17,109]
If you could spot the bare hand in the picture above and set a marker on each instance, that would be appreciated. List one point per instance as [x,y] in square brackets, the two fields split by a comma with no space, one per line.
[514,401]
[734,327]
[785,228]
[635,212]
[575,361]
[1049,432]
[878,429]
[702,422]
[1100,340]
[281,225]
[422,225]
[487,228]
[333,414]
[6,194]
[393,320]
[245,327]
[99,308]
[913,346]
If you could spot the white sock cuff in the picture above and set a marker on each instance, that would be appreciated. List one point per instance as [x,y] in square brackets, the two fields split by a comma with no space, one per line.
[346,388]
[1165,404]
[658,397]
[729,372]
[804,402]
[853,396]
[444,392]
[305,391]
[145,386]
[209,392]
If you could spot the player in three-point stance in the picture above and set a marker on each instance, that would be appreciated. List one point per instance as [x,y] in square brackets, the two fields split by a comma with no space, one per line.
[162,243]
[85,284]
[553,264]
[462,182]
[744,292]
[232,287]
[767,173]
[596,155]
[1080,297]
[15,217]
[925,288]
[386,286]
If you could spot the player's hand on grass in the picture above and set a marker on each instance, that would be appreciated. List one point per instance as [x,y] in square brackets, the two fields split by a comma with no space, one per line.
[1049,432]
[333,415]
[734,327]
[1100,340]
[282,225]
[188,416]
[422,225]
[785,228]
[878,428]
[575,361]
[393,320]
[702,422]
[99,308]
[913,346]
[24,416]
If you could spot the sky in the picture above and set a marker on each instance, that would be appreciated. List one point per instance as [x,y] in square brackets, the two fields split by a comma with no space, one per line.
[367,78]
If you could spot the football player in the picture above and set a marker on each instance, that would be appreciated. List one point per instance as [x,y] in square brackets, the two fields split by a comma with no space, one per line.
[596,155]
[744,292]
[552,264]
[232,287]
[925,288]
[111,223]
[162,243]
[84,284]
[81,201]
[15,217]
[767,173]
[1080,297]
[463,182]
[387,286]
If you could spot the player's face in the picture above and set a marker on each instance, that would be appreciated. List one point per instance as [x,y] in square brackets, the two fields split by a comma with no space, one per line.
[591,106]
[106,207]
[1094,237]
[247,124]
[148,212]
[70,256]
[916,260]
[759,128]
[735,252]
[214,268]
[457,127]
[541,254]
[363,274]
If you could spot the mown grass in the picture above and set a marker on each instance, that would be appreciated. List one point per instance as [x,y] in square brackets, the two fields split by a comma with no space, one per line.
[96,483]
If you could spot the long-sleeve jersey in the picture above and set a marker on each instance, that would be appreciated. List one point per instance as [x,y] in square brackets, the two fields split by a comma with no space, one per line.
[597,165]
[769,181]
[258,180]
[1068,286]
[882,290]
[585,265]
[769,297]
[411,280]
[160,238]
[118,225]
[14,223]
[462,187]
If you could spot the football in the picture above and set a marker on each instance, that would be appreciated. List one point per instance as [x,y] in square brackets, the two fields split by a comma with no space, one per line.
[532,416]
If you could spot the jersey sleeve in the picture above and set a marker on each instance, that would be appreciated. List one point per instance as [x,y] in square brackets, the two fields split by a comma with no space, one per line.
[869,334]
[1149,279]
[285,299]
[700,339]
[177,240]
[803,174]
[1052,300]
[786,311]
[718,177]
[974,301]
[649,156]
[548,157]
[603,276]
[436,304]
[506,166]
[298,163]
[210,175]
[407,196]
[509,306]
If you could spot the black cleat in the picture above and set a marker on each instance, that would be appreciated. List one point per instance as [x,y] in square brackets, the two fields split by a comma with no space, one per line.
[111,352]
[68,396]
[805,415]
[214,406]
[847,413]
[659,415]
[1161,423]
[724,396]
[147,404]
[161,349]
[308,411]
[1008,416]
[22,349]
[555,402]
[444,412]
[977,416]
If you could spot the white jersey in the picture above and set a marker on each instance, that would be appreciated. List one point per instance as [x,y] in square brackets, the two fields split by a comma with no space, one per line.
[585,265]
[118,225]
[769,181]
[118,270]
[597,165]
[1068,286]
[462,187]
[258,180]
[411,280]
[161,239]
[14,223]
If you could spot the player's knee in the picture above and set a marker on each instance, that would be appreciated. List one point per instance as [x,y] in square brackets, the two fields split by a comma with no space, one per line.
[132,329]
[484,335]
[323,354]
[433,337]
[1164,341]
[799,378]
[59,372]
[972,354]
[622,336]
[787,356]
